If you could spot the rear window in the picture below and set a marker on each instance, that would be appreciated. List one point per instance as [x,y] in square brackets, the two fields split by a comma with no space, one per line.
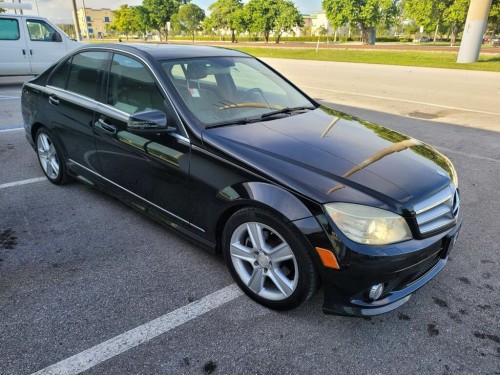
[9,29]
[86,72]
[58,78]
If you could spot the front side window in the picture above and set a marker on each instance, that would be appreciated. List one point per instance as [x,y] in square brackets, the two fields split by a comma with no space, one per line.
[9,29]
[41,31]
[132,88]
[224,89]
[86,72]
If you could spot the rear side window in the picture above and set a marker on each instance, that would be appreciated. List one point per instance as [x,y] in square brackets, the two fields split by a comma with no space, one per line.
[59,77]
[41,31]
[9,29]
[86,73]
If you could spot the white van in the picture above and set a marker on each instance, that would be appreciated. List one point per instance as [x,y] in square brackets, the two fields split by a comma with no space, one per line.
[30,44]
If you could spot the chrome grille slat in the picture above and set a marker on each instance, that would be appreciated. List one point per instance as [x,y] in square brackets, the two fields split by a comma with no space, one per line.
[438,211]
[433,214]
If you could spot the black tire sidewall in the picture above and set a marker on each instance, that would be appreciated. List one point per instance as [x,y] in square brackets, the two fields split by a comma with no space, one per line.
[307,283]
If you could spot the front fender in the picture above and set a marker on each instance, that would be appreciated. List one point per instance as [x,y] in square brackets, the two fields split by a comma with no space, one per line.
[305,219]
[279,199]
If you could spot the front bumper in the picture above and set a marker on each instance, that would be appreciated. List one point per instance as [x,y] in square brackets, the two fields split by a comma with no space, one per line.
[402,269]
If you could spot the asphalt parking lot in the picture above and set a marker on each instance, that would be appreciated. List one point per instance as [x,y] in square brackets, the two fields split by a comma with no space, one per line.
[89,285]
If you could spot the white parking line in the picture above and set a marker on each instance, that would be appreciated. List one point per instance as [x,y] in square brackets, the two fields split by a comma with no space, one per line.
[400,100]
[9,97]
[474,156]
[23,182]
[13,128]
[130,339]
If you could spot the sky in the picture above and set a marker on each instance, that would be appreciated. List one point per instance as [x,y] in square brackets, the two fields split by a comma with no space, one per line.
[59,11]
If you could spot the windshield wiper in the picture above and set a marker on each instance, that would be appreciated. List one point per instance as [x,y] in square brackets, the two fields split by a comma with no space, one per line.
[285,110]
[242,121]
[249,120]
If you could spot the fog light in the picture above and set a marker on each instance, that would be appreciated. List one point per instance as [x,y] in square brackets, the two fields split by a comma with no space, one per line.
[376,291]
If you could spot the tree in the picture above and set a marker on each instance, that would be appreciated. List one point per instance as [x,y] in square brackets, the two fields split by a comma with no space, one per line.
[365,13]
[124,20]
[189,19]
[161,12]
[208,26]
[288,18]
[142,23]
[455,15]
[266,16]
[260,16]
[493,25]
[1,9]
[227,14]
[427,13]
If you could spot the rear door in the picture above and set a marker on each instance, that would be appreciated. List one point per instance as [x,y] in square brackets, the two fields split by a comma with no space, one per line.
[14,54]
[45,44]
[71,98]
[151,168]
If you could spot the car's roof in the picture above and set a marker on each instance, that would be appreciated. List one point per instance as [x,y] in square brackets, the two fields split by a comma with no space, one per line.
[172,51]
[8,15]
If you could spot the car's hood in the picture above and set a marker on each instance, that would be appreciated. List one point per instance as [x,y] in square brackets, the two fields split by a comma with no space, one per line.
[323,153]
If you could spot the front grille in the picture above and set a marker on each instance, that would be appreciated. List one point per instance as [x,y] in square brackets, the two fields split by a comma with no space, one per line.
[439,211]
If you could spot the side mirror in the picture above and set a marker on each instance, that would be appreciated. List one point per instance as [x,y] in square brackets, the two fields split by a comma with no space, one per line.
[148,121]
[56,37]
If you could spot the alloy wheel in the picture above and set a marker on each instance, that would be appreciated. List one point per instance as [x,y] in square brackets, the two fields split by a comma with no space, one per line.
[264,261]
[47,154]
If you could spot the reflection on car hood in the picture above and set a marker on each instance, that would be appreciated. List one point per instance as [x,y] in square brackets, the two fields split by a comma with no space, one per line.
[323,153]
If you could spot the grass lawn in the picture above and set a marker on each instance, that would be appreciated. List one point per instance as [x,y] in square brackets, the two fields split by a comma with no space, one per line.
[488,62]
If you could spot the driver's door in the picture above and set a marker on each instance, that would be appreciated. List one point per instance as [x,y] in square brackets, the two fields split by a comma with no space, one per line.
[150,168]
[45,44]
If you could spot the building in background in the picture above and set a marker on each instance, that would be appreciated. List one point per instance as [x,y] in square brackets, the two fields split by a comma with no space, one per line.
[94,23]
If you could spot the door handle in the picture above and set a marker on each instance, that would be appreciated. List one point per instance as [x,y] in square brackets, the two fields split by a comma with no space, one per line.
[31,52]
[104,126]
[53,100]
[24,52]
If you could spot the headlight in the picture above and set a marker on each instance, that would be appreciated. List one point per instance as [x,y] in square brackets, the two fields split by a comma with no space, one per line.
[368,225]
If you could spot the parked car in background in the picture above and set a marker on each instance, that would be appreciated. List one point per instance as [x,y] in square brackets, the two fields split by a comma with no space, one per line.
[30,44]
[217,145]
[421,39]
[495,42]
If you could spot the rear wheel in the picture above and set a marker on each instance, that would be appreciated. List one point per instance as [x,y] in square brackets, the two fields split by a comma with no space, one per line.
[50,157]
[268,259]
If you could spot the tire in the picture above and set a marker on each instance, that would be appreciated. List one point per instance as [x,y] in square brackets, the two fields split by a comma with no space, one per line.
[269,259]
[50,157]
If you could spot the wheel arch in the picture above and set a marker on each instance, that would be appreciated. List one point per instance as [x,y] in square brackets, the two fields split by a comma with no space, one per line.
[259,195]
[37,126]
[34,130]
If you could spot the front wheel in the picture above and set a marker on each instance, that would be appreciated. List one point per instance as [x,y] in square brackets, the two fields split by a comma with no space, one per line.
[50,157]
[268,259]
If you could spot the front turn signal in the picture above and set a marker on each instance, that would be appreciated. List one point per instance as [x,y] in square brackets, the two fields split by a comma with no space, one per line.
[327,258]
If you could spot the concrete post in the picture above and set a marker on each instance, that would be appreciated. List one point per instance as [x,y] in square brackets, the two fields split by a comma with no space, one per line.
[472,38]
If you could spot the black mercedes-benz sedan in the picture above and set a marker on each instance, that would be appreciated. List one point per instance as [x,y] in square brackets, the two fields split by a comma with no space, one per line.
[218,146]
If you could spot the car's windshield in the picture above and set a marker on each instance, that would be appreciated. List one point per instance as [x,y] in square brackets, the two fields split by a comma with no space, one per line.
[222,90]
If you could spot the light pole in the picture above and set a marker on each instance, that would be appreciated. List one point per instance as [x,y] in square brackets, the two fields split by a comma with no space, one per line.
[85,17]
[472,37]
[75,21]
